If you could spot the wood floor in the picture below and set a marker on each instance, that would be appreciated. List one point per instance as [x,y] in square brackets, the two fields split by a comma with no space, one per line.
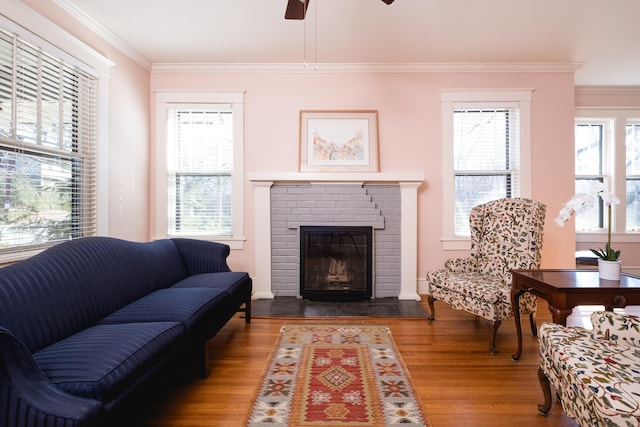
[458,381]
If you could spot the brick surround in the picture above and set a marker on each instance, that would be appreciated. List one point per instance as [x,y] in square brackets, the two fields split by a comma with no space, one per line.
[385,201]
[376,206]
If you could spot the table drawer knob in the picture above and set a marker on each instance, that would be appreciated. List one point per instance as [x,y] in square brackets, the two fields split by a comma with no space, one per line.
[536,292]
[619,301]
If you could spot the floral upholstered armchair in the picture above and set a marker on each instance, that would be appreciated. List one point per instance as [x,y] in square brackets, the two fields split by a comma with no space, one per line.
[596,373]
[506,234]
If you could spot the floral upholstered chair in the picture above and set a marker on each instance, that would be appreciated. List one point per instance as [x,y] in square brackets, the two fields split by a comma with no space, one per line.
[506,234]
[596,373]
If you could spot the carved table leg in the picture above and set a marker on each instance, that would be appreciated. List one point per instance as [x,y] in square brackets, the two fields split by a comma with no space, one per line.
[515,303]
[544,408]
[559,315]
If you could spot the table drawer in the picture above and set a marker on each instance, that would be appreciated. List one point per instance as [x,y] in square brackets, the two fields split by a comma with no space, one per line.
[537,292]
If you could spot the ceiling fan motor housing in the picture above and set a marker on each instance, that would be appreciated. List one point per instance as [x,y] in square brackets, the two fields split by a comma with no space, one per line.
[297,9]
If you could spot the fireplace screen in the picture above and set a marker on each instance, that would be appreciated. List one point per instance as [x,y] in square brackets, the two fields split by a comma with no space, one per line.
[335,263]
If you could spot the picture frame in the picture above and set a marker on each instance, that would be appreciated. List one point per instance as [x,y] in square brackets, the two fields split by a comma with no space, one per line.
[339,141]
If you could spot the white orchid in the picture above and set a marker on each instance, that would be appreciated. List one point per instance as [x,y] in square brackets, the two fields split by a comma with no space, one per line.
[580,202]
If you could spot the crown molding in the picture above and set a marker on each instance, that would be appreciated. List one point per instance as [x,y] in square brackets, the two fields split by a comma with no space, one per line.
[608,90]
[522,67]
[104,33]
[525,67]
[39,30]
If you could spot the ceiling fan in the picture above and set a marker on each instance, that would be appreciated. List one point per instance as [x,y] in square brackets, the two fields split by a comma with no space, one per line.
[297,9]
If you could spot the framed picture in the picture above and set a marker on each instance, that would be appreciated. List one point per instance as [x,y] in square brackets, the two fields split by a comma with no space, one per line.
[339,141]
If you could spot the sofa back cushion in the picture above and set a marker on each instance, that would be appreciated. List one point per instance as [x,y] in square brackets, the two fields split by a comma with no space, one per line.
[75,284]
[165,266]
[621,328]
[201,256]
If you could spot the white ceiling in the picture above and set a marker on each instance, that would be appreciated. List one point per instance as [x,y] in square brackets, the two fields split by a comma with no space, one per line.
[601,36]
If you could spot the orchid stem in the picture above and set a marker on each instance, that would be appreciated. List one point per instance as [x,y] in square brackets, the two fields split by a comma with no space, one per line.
[609,231]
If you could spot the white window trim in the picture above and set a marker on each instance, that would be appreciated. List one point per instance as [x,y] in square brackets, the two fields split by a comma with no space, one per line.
[163,100]
[618,117]
[31,26]
[450,242]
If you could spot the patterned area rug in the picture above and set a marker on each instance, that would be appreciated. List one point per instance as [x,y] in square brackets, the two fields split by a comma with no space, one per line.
[339,374]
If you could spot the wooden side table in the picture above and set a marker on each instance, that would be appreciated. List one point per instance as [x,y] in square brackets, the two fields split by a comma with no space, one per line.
[565,289]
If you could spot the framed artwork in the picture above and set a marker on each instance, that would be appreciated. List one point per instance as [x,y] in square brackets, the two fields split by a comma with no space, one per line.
[339,141]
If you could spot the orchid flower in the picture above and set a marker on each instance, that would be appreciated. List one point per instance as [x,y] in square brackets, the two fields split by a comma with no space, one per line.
[582,201]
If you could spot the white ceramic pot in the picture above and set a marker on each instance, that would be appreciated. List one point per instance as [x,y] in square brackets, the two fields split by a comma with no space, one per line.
[609,270]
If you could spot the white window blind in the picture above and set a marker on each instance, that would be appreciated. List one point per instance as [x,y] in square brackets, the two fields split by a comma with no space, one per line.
[200,170]
[633,176]
[486,157]
[48,126]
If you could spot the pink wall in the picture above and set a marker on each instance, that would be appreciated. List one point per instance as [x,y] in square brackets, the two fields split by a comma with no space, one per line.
[128,196]
[410,136]
[409,125]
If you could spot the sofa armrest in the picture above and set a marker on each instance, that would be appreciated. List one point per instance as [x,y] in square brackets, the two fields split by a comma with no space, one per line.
[617,327]
[201,256]
[461,265]
[28,398]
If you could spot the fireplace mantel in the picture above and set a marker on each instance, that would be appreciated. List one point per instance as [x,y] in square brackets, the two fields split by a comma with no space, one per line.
[334,177]
[408,183]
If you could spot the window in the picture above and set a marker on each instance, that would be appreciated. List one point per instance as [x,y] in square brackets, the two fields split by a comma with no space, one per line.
[632,162]
[607,144]
[200,166]
[590,160]
[484,145]
[486,159]
[48,141]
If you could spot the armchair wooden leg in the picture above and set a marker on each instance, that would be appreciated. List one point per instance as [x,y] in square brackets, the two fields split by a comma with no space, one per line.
[494,332]
[432,314]
[544,408]
[532,322]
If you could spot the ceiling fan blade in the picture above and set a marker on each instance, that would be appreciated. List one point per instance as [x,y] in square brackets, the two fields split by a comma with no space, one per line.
[297,9]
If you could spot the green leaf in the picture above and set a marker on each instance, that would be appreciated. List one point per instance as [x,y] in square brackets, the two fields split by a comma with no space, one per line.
[607,254]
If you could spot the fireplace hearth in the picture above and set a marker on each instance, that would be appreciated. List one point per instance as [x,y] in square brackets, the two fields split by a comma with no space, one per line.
[336,263]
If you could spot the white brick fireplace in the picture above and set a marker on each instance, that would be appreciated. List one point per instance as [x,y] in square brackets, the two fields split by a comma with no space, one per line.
[263,185]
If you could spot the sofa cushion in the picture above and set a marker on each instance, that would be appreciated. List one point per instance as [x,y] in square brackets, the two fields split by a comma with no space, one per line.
[233,283]
[189,306]
[485,287]
[103,361]
[480,294]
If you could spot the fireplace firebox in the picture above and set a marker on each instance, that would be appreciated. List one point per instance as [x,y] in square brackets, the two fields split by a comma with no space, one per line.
[336,263]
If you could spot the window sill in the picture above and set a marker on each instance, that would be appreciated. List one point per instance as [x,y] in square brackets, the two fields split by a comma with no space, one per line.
[456,244]
[234,243]
[602,237]
[13,257]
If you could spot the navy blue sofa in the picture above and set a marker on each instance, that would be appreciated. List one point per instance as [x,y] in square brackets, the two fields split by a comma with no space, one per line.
[89,324]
